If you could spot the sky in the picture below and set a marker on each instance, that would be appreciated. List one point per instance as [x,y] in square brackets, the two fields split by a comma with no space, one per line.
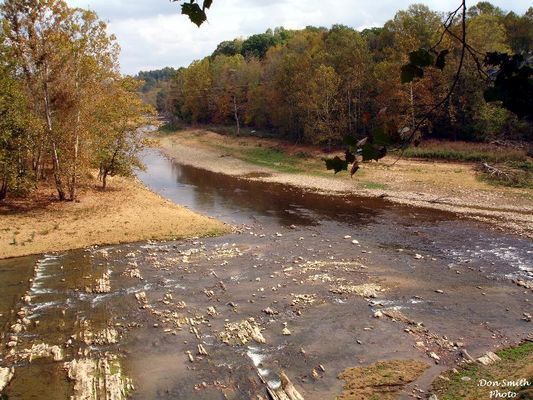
[153,34]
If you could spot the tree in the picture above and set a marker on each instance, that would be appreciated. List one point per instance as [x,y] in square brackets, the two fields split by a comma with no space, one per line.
[37,35]
[16,132]
[196,88]
[347,53]
[322,104]
[63,54]
[118,116]
[421,74]
[64,76]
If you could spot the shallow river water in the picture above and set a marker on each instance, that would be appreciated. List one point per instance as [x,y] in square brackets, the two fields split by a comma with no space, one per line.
[318,266]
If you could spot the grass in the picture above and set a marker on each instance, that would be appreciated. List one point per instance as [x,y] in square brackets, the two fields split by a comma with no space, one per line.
[466,152]
[374,185]
[271,158]
[516,363]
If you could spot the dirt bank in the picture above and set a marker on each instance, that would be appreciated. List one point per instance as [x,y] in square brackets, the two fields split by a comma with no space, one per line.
[439,185]
[126,212]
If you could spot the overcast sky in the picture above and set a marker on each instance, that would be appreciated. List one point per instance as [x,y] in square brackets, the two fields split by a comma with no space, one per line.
[153,34]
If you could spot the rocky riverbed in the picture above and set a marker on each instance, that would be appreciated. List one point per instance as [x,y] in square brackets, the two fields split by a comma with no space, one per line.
[302,297]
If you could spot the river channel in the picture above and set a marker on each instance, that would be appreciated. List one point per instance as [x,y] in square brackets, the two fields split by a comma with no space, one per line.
[307,271]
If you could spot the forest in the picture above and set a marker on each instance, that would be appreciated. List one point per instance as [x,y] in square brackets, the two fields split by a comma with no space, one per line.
[66,109]
[317,85]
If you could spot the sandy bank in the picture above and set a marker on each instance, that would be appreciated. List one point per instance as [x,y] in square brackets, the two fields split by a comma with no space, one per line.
[126,212]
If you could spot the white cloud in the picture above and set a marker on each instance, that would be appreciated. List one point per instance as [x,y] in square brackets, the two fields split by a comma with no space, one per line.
[153,34]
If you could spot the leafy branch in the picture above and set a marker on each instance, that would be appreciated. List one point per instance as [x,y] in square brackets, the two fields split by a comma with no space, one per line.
[196,13]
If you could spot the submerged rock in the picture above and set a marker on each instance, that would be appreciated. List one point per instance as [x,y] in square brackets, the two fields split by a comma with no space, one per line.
[364,290]
[102,285]
[42,350]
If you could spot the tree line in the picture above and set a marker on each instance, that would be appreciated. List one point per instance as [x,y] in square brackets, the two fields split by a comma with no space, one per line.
[65,109]
[318,85]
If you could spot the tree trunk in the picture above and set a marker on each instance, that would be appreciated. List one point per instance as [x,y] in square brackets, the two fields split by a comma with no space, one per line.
[412,103]
[104,179]
[73,178]
[74,172]
[236,115]
[55,155]
[57,173]
[3,188]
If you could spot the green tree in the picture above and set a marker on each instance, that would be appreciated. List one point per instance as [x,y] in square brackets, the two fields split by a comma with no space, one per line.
[118,116]
[17,127]
[196,90]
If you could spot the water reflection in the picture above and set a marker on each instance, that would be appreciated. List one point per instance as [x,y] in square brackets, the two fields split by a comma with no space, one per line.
[243,201]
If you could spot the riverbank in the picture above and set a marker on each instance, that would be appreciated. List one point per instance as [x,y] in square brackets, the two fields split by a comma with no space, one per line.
[125,212]
[447,186]
[509,377]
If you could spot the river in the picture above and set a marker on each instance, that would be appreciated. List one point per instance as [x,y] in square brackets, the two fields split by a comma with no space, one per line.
[296,261]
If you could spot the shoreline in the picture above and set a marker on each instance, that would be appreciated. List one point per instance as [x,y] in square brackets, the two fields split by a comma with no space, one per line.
[127,212]
[505,209]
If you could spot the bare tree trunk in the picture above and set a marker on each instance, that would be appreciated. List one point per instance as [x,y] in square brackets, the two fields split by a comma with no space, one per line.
[55,155]
[104,180]
[73,178]
[236,115]
[412,103]
[74,172]
[36,165]
[350,111]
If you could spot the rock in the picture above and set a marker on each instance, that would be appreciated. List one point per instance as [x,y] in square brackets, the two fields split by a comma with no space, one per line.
[270,311]
[286,332]
[434,356]
[42,350]
[102,378]
[302,299]
[201,350]
[102,285]
[286,391]
[525,284]
[439,291]
[347,237]
[465,355]
[378,314]
[6,374]
[363,290]
[488,358]
[355,241]
[419,256]
[240,333]
[433,397]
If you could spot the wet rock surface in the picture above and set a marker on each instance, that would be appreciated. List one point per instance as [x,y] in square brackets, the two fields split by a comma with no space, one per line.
[223,317]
